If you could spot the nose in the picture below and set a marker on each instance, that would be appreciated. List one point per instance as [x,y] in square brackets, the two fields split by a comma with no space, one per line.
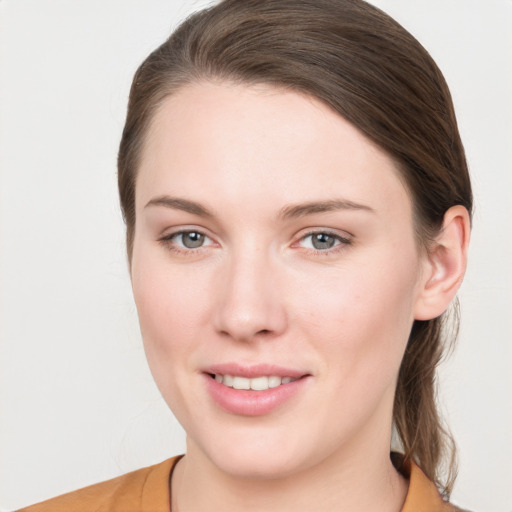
[250,305]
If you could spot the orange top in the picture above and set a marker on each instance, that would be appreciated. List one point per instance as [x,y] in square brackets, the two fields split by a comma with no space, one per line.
[147,490]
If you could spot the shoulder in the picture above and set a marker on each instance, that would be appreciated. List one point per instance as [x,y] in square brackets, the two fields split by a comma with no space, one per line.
[423,495]
[146,489]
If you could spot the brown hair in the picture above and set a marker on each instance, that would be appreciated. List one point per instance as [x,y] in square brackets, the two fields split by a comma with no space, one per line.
[371,71]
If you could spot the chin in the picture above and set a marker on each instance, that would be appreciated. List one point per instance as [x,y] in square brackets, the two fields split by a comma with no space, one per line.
[268,466]
[256,455]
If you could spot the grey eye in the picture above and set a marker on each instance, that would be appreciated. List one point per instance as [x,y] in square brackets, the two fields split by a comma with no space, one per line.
[322,241]
[191,239]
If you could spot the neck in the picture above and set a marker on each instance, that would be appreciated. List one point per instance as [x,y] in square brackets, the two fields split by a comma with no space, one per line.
[340,482]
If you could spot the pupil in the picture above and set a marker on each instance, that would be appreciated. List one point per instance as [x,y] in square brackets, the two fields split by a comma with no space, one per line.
[193,240]
[323,241]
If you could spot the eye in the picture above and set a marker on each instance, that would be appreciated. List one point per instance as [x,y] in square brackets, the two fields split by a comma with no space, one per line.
[190,239]
[322,241]
[187,240]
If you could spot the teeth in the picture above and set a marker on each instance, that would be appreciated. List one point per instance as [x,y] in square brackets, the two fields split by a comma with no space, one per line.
[241,383]
[256,383]
[259,383]
[273,382]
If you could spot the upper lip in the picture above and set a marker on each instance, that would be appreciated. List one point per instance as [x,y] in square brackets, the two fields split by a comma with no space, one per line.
[252,371]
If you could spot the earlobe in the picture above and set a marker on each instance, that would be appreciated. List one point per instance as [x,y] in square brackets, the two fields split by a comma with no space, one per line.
[445,265]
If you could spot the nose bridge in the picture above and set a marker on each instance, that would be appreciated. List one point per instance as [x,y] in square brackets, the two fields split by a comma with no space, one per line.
[250,304]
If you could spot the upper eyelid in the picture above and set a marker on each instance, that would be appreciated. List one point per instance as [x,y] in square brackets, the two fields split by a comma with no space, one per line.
[344,235]
[180,230]
[169,238]
[326,232]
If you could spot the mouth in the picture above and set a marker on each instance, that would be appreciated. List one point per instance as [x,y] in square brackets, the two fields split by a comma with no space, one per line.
[261,383]
[254,390]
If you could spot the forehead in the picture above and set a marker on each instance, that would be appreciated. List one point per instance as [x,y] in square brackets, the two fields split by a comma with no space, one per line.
[263,143]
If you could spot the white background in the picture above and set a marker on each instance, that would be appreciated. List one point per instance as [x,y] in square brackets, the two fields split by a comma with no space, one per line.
[77,402]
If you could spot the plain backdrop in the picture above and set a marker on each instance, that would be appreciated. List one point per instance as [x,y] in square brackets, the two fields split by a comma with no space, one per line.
[77,402]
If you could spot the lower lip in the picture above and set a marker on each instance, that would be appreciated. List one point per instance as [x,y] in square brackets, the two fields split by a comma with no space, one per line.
[252,403]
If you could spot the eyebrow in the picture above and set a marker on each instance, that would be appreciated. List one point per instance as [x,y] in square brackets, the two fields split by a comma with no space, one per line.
[287,212]
[301,210]
[177,203]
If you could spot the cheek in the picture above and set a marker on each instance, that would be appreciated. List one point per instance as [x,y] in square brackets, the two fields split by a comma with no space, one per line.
[172,308]
[360,318]
[170,317]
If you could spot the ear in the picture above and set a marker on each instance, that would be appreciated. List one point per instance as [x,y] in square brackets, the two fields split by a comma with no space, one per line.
[444,265]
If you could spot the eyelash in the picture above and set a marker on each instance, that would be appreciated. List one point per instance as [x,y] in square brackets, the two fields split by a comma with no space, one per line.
[170,244]
[343,242]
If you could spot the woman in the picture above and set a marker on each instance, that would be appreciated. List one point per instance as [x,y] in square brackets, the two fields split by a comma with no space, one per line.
[297,205]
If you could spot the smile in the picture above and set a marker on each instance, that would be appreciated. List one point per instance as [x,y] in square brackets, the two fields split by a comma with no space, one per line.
[256,383]
[254,394]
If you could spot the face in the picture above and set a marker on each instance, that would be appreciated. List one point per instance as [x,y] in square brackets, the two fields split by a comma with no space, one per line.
[274,249]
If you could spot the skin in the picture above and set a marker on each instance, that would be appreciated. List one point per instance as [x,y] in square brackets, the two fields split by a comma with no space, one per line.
[257,291]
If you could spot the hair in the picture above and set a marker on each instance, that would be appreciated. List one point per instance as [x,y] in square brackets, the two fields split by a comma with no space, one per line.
[372,72]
